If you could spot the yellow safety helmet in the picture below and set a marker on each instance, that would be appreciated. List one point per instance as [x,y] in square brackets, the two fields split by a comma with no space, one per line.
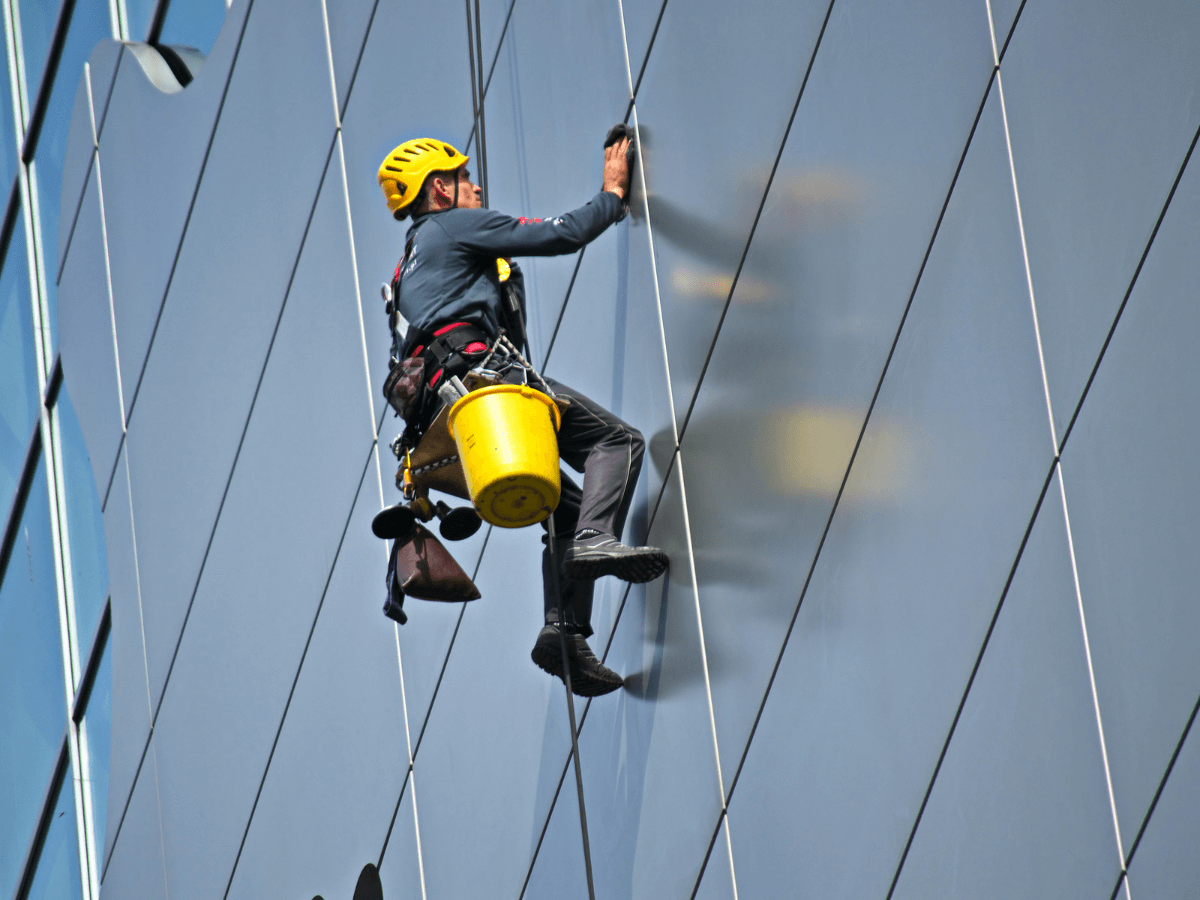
[403,171]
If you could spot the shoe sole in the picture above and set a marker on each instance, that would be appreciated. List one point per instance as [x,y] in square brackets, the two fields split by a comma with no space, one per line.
[548,658]
[635,568]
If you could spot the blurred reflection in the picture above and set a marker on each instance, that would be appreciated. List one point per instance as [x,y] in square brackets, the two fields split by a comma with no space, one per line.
[771,440]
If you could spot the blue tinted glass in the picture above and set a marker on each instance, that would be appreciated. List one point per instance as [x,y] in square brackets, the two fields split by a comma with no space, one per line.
[89,24]
[193,23]
[32,702]
[97,729]
[18,372]
[57,876]
[8,141]
[85,525]
[138,14]
[37,27]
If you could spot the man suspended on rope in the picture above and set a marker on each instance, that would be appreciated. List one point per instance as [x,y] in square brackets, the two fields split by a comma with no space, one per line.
[458,290]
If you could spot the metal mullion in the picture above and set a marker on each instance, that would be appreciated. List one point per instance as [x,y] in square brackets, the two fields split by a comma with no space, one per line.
[80,769]
[118,19]
[16,69]
[65,582]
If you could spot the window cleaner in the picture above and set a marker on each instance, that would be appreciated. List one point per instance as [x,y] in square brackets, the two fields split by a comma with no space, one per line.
[464,300]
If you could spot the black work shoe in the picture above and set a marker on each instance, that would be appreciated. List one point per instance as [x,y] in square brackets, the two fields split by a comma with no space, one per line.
[589,676]
[603,554]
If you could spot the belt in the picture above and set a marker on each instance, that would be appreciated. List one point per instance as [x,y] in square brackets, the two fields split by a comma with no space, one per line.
[448,348]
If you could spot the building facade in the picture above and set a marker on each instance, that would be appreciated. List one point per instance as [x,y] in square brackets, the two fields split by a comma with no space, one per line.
[902,309]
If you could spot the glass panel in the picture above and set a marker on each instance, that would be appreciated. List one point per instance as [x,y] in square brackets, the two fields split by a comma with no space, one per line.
[85,523]
[86,343]
[640,18]
[206,368]
[368,136]
[38,18]
[1024,767]
[193,23]
[151,151]
[97,731]
[136,867]
[1133,488]
[704,190]
[493,801]
[717,883]
[559,869]
[1101,109]
[138,14]
[8,140]
[57,876]
[840,245]
[89,24]
[545,141]
[649,772]
[357,744]
[347,34]
[80,140]
[33,710]
[19,399]
[1166,864]
[130,696]
[933,513]
[401,870]
[267,567]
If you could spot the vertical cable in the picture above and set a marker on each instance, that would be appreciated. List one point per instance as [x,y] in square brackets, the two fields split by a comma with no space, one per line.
[481,122]
[1054,444]
[474,77]
[551,547]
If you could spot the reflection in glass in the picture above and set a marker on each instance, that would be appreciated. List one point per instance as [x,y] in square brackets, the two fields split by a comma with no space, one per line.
[32,702]
[96,734]
[193,23]
[18,372]
[37,26]
[138,14]
[89,561]
[8,141]
[89,24]
[57,876]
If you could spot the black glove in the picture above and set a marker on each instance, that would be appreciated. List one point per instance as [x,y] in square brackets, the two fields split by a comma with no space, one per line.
[618,131]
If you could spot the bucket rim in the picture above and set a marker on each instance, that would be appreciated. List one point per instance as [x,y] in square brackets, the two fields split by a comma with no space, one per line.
[524,389]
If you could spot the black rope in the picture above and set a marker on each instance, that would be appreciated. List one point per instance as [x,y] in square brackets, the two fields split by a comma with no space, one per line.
[481,135]
[551,544]
[474,79]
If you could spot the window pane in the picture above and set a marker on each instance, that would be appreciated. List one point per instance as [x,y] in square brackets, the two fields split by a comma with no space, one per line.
[193,23]
[57,876]
[8,141]
[85,524]
[33,709]
[18,372]
[97,730]
[89,25]
[37,27]
[138,14]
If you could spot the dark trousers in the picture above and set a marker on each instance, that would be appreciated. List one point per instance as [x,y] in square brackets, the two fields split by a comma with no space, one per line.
[609,453]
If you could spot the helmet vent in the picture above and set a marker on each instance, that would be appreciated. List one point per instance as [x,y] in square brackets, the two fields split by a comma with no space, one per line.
[449,151]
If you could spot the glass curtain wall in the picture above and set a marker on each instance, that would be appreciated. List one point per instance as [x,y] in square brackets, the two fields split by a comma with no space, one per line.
[55,669]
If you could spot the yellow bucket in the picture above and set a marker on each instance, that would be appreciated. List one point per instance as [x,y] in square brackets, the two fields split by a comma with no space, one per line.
[509,451]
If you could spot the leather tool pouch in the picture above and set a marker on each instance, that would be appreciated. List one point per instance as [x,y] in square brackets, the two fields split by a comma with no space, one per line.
[423,568]
[404,386]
